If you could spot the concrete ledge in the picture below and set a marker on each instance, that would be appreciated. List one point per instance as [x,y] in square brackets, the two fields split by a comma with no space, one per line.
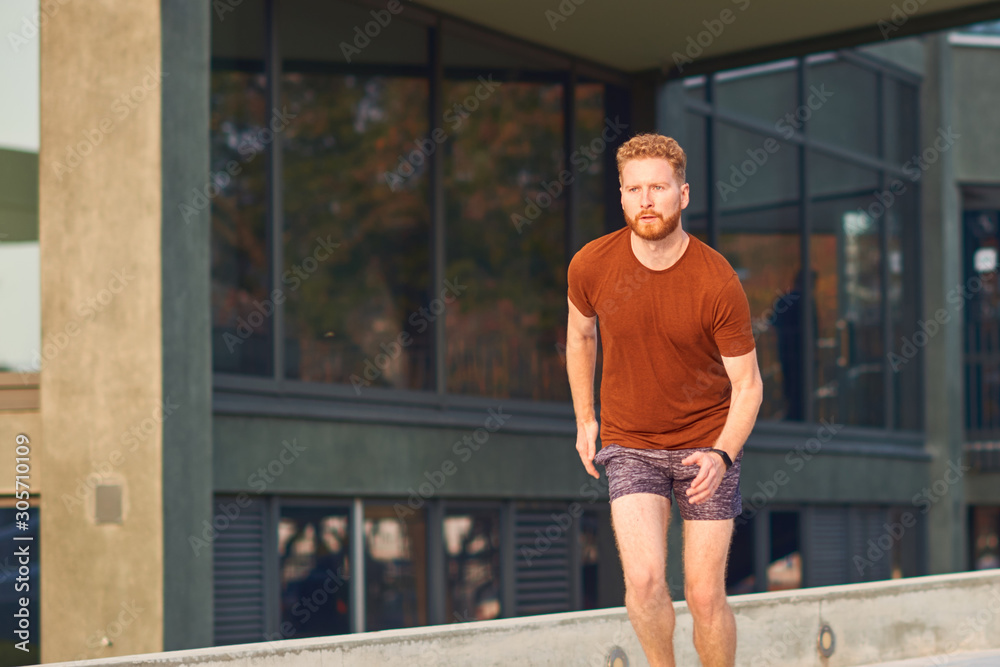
[890,620]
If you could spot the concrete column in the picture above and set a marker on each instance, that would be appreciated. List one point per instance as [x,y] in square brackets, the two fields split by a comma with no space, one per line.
[126,384]
[943,355]
[185,306]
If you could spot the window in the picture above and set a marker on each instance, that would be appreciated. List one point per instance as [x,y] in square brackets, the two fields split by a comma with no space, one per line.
[815,170]
[242,307]
[314,571]
[784,570]
[326,189]
[395,569]
[472,560]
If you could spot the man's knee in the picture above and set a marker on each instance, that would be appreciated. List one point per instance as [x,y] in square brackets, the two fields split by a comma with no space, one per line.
[645,584]
[704,601]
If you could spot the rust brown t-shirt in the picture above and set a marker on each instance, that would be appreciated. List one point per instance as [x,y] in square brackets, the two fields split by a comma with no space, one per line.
[664,334]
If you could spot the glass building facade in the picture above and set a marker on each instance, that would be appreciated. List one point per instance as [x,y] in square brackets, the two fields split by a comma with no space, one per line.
[395,216]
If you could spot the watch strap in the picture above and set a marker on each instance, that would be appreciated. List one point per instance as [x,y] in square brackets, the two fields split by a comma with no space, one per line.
[725,457]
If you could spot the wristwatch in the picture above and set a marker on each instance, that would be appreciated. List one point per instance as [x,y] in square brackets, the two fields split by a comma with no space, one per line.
[725,457]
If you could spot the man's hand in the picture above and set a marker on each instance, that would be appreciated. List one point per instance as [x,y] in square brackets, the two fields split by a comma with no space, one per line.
[708,478]
[586,445]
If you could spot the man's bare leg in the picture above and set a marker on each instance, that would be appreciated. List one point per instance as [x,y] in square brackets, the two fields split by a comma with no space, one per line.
[640,521]
[706,550]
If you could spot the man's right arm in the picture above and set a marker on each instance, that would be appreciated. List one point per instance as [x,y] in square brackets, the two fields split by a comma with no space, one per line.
[581,360]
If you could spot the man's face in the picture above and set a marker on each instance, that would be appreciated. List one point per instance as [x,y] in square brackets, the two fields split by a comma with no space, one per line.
[652,198]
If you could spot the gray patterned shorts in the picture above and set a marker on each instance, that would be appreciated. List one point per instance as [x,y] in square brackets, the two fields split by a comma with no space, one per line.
[632,470]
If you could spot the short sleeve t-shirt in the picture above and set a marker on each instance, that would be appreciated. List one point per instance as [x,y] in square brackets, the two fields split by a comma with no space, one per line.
[663,335]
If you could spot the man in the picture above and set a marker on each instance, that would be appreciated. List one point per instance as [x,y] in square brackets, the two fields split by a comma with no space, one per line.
[679,395]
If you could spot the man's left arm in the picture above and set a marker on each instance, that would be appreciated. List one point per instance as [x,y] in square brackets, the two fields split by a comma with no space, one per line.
[744,403]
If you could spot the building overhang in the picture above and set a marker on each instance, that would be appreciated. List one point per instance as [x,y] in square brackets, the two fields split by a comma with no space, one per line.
[675,38]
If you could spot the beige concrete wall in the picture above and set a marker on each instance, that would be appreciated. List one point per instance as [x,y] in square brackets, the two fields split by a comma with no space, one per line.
[100,210]
[874,622]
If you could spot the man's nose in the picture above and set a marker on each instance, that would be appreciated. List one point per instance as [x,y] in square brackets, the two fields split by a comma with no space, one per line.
[647,199]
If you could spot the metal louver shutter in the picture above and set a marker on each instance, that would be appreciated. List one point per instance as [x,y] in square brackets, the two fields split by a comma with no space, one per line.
[542,562]
[238,565]
[830,555]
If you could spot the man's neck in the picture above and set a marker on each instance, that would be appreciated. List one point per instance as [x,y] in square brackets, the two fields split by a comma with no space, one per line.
[662,254]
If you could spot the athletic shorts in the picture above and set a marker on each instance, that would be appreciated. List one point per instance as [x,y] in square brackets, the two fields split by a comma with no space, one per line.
[632,470]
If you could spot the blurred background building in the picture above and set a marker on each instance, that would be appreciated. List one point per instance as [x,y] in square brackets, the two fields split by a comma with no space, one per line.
[284,300]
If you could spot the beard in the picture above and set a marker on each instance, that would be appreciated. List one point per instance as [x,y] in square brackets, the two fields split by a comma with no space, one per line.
[654,231]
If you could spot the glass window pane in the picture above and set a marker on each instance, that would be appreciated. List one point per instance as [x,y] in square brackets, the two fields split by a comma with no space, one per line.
[472,559]
[357,239]
[902,227]
[828,175]
[764,92]
[314,569]
[979,308]
[843,102]
[395,569]
[506,241]
[764,249]
[694,145]
[985,537]
[740,577]
[752,169]
[846,260]
[785,569]
[20,275]
[694,87]
[902,112]
[240,144]
[601,570]
[590,181]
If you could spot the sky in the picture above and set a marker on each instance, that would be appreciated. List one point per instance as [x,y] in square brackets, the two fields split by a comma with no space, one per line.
[19,73]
